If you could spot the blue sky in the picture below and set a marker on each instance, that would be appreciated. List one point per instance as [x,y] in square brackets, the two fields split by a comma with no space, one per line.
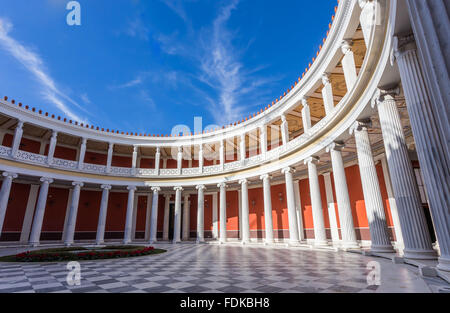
[146,66]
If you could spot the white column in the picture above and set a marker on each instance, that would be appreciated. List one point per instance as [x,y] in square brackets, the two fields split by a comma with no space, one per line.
[82,153]
[66,216]
[29,212]
[342,197]
[73,212]
[298,210]
[263,139]
[166,217]
[129,216]
[154,219]
[52,147]
[222,154]
[306,115]
[348,64]
[415,232]
[102,215]
[201,214]
[284,129]
[430,129]
[109,158]
[148,216]
[223,212]
[331,209]
[157,160]
[135,211]
[367,18]
[17,139]
[200,159]
[392,204]
[164,163]
[267,208]
[245,212]
[371,190]
[40,211]
[186,219]
[215,214]
[134,159]
[4,195]
[177,219]
[180,160]
[327,93]
[320,237]
[242,148]
[292,214]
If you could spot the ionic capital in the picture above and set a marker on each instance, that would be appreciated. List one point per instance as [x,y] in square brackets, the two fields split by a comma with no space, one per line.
[336,146]
[287,170]
[178,188]
[106,187]
[326,79]
[243,182]
[362,3]
[54,135]
[156,189]
[46,180]
[222,185]
[77,184]
[200,187]
[312,159]
[346,46]
[360,125]
[131,188]
[19,124]
[8,174]
[283,118]
[83,141]
[385,94]
[265,177]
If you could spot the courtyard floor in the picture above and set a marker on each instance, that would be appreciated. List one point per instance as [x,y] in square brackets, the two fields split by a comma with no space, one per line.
[190,268]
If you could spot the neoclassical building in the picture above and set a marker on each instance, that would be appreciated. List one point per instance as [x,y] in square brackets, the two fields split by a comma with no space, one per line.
[355,154]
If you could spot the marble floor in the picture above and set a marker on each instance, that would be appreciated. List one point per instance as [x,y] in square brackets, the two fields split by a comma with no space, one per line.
[190,268]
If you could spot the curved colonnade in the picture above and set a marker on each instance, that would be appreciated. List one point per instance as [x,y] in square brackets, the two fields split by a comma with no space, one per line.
[332,162]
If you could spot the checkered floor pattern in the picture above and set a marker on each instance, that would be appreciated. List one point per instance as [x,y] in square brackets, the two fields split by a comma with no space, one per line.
[192,268]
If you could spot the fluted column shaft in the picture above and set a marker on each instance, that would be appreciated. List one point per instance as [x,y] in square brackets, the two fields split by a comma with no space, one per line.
[292,214]
[306,115]
[223,212]
[52,147]
[4,196]
[154,218]
[342,197]
[186,220]
[348,64]
[267,209]
[284,130]
[180,159]
[166,218]
[432,148]
[102,215]
[242,148]
[18,132]
[157,160]
[263,139]
[331,208]
[416,236]
[82,153]
[371,190]
[129,216]
[73,212]
[245,211]
[320,236]
[40,211]
[177,219]
[201,214]
[327,94]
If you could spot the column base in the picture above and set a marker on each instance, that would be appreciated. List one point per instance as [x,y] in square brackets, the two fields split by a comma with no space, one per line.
[245,242]
[350,245]
[293,243]
[68,244]
[420,254]
[153,241]
[99,243]
[34,244]
[382,249]
[320,243]
[444,264]
[176,241]
[125,242]
[200,241]
[268,242]
[222,241]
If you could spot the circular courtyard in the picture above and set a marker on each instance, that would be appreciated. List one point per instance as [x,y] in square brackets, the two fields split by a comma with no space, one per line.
[189,268]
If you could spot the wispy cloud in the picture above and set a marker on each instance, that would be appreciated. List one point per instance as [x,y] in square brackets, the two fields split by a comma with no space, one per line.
[136,28]
[219,64]
[132,83]
[34,64]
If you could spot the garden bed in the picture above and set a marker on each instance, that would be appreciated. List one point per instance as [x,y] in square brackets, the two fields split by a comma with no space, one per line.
[81,253]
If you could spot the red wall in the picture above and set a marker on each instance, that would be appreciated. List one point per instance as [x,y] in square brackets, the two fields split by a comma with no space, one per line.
[117,210]
[95,158]
[15,211]
[121,161]
[27,145]
[55,210]
[88,211]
